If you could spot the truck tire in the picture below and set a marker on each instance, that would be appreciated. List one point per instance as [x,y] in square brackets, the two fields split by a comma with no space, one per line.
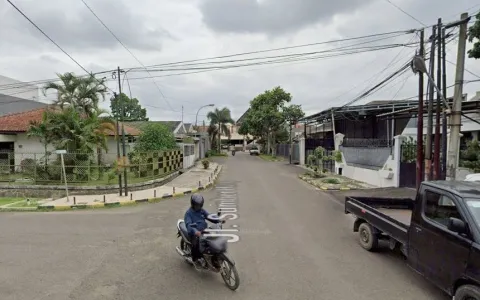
[368,239]
[467,292]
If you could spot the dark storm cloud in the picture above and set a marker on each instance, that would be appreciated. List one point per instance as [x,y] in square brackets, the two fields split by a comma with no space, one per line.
[273,17]
[76,28]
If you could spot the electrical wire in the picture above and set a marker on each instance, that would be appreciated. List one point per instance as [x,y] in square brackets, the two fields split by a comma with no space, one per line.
[216,68]
[395,33]
[126,48]
[406,13]
[409,31]
[51,40]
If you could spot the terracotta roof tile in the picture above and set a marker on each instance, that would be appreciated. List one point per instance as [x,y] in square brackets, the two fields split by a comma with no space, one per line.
[20,122]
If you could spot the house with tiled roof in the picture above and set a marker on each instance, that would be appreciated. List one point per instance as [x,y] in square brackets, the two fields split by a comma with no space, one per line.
[14,138]
[177,127]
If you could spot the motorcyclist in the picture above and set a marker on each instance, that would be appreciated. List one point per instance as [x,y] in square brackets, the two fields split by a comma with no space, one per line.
[195,221]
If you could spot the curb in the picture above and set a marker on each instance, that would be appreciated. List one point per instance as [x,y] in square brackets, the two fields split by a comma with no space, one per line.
[49,208]
[334,189]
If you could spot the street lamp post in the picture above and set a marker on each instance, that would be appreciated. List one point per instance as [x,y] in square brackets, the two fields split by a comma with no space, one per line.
[196,117]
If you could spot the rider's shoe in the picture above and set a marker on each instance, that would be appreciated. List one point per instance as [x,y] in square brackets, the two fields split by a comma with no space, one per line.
[198,264]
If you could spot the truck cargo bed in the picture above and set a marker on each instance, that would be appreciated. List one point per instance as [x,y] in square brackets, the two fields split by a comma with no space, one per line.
[391,216]
[401,215]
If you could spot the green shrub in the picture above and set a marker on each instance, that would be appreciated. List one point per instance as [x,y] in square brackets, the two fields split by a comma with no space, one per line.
[206,163]
[331,180]
[28,165]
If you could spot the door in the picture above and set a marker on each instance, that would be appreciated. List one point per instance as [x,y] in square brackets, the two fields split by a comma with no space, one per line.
[438,253]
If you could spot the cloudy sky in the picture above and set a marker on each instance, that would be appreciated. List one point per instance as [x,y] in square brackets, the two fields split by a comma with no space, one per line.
[165,31]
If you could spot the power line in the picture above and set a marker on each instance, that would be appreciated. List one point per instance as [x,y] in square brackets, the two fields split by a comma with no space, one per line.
[409,31]
[290,57]
[217,68]
[400,9]
[126,48]
[398,33]
[46,35]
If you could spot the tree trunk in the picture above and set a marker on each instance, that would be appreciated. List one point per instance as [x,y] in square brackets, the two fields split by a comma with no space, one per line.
[219,138]
[268,143]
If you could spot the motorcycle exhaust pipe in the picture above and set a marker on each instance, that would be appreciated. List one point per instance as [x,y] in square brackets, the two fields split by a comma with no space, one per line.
[179,251]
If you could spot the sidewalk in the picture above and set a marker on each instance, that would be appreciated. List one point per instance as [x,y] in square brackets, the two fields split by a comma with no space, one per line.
[191,181]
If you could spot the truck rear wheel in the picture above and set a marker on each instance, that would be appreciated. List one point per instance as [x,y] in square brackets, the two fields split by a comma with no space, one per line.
[467,292]
[368,239]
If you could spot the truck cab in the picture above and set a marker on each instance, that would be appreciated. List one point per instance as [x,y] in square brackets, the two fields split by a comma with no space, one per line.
[444,234]
[441,239]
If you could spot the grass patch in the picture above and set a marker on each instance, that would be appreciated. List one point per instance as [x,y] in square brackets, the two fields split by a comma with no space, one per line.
[9,200]
[268,157]
[331,180]
[24,203]
[20,179]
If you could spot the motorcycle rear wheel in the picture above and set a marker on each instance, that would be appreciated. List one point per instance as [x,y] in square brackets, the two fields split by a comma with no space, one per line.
[227,271]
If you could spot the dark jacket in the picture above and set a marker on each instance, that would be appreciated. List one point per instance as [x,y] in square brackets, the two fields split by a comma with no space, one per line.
[195,217]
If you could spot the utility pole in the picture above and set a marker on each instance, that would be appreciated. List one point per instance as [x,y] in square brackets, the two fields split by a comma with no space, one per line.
[428,146]
[124,159]
[420,117]
[436,151]
[456,115]
[291,145]
[182,113]
[120,189]
[444,115]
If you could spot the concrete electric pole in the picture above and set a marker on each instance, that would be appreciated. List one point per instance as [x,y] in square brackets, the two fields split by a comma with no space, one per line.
[456,114]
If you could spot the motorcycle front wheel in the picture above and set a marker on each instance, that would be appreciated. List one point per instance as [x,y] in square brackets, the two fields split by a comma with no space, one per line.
[230,275]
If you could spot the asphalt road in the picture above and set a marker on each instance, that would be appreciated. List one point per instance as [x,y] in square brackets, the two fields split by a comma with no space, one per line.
[295,243]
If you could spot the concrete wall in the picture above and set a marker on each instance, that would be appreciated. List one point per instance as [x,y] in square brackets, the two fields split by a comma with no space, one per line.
[387,175]
[188,155]
[32,148]
[369,158]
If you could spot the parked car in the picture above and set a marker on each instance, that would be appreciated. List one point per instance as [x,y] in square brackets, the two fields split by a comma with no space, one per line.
[254,150]
[438,232]
[473,177]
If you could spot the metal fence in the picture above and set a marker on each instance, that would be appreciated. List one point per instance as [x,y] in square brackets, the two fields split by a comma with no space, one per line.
[85,168]
[366,143]
[328,165]
[284,150]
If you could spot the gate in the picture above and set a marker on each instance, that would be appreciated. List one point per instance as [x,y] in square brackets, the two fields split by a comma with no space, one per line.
[296,153]
[408,165]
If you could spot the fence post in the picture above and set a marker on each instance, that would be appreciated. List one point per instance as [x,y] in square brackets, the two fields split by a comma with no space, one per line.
[397,156]
[35,168]
[301,149]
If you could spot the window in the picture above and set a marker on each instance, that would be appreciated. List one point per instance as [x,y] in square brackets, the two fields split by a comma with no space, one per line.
[439,208]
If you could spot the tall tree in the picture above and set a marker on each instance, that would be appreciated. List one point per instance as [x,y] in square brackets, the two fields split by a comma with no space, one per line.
[266,116]
[474,35]
[219,118]
[82,93]
[155,136]
[132,108]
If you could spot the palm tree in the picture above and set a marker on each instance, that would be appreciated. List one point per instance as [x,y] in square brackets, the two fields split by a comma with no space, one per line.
[42,130]
[82,93]
[219,118]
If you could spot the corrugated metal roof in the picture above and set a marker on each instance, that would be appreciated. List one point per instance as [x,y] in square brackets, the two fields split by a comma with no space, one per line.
[12,105]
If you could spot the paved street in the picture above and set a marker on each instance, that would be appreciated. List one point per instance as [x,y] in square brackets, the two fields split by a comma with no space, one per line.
[295,243]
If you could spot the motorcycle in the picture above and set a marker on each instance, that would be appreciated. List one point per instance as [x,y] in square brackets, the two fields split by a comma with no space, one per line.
[213,249]
[233,152]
